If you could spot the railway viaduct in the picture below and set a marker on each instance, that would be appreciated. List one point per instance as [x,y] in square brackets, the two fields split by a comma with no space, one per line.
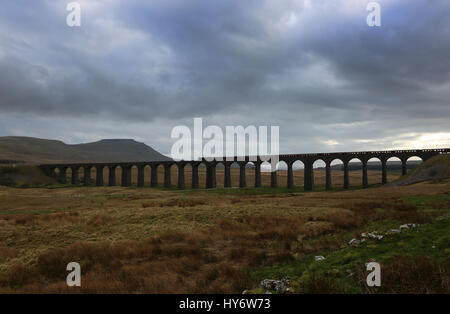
[60,170]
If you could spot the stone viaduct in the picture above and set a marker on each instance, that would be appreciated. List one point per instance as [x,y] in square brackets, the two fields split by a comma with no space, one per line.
[307,160]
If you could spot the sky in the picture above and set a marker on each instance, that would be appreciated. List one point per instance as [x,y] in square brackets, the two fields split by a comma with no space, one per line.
[137,68]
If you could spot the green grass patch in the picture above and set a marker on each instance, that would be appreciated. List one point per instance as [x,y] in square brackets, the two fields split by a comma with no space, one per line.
[431,240]
[427,200]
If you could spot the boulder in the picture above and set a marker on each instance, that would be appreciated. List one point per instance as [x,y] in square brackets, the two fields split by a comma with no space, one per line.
[279,286]
[319,258]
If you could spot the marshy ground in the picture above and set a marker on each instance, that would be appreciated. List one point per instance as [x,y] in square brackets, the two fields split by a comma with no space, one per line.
[144,240]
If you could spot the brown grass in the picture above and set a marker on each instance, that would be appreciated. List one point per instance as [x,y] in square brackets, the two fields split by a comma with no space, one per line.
[210,261]
[150,240]
[99,220]
[416,274]
[7,252]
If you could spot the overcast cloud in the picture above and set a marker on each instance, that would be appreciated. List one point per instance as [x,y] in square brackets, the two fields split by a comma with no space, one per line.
[135,69]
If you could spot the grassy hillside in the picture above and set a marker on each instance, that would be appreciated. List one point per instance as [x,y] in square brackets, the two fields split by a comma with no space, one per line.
[24,177]
[34,151]
[436,168]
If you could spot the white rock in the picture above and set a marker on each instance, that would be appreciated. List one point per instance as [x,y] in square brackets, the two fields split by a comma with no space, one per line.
[276,285]
[405,226]
[354,241]
[319,258]
[396,230]
[363,235]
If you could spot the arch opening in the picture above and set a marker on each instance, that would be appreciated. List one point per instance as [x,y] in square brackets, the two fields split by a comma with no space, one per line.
[319,173]
[393,168]
[374,171]
[298,168]
[282,173]
[412,163]
[265,174]
[355,168]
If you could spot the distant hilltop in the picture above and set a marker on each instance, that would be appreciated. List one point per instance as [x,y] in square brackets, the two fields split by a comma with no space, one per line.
[32,150]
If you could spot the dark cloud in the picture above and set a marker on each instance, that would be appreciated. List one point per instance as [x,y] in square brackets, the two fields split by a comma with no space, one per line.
[313,67]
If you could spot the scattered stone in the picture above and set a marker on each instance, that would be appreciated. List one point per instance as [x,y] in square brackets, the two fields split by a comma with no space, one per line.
[395,230]
[319,258]
[279,286]
[354,241]
[363,235]
[244,292]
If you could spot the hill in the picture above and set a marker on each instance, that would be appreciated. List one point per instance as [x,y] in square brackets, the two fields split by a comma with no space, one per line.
[29,150]
[435,168]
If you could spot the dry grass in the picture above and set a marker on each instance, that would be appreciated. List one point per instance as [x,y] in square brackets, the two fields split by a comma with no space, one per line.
[418,275]
[150,240]
[7,252]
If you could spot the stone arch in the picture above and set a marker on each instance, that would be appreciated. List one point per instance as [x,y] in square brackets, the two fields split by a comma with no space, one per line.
[119,174]
[99,174]
[413,162]
[210,174]
[282,173]
[86,174]
[298,168]
[374,169]
[220,174]
[235,169]
[155,168]
[147,174]
[187,175]
[170,175]
[93,174]
[265,174]
[319,166]
[160,174]
[355,167]
[125,174]
[134,174]
[336,172]
[113,176]
[393,168]
[55,172]
[74,171]
[250,167]
[202,166]
[59,174]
